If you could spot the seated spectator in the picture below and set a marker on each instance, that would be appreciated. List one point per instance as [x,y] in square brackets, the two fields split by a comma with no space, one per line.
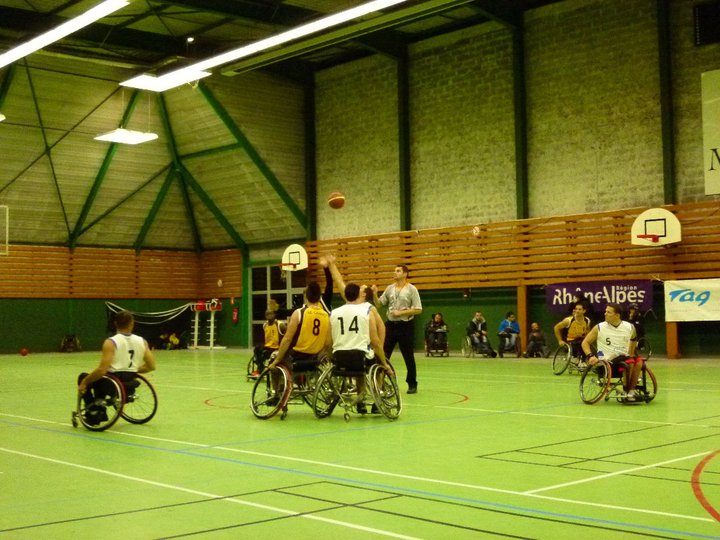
[508,332]
[634,317]
[537,347]
[476,330]
[436,333]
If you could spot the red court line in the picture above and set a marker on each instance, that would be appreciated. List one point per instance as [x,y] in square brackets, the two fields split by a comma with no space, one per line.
[697,488]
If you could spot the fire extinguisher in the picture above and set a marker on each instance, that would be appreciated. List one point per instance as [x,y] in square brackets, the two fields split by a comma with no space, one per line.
[236,315]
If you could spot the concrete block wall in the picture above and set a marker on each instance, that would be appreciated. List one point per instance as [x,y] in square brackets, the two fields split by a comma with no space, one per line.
[593,111]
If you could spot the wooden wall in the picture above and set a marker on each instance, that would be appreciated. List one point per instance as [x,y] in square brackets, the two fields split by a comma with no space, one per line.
[583,247]
[58,272]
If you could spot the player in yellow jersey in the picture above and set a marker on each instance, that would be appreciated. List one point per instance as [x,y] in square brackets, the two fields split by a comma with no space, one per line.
[307,334]
[272,334]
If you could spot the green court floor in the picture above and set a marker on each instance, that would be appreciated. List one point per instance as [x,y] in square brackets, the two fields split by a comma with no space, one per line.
[486,449]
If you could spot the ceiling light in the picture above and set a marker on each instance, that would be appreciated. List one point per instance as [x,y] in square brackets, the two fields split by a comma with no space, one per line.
[2,117]
[127,136]
[65,29]
[190,73]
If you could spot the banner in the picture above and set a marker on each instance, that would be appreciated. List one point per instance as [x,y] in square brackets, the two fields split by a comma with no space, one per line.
[559,296]
[692,300]
[710,84]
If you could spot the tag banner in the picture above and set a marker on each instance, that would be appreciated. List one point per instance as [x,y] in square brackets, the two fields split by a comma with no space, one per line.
[559,296]
[692,300]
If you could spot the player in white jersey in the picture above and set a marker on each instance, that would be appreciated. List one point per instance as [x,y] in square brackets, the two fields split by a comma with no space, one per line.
[616,342]
[122,353]
[355,341]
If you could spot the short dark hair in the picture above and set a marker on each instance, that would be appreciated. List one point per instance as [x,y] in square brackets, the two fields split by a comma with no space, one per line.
[507,315]
[313,292]
[124,319]
[405,269]
[616,308]
[352,291]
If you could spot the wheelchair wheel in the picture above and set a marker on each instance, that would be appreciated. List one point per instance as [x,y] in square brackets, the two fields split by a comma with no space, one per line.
[561,360]
[140,405]
[595,382]
[648,384]
[104,409]
[252,367]
[327,393]
[643,348]
[385,392]
[267,400]
[466,348]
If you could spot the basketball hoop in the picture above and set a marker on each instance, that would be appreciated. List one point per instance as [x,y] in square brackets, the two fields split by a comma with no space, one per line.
[655,238]
[286,267]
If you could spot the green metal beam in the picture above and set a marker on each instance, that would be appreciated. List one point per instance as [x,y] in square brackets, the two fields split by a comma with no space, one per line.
[140,240]
[172,148]
[47,148]
[5,84]
[210,204]
[122,201]
[520,114]
[500,11]
[100,176]
[253,154]
[667,117]
[405,181]
[211,151]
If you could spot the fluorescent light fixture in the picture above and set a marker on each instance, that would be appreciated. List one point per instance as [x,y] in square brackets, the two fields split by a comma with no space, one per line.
[65,29]
[127,136]
[2,117]
[198,70]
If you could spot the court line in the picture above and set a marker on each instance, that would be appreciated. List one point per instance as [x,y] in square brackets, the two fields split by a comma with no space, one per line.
[213,496]
[530,493]
[616,473]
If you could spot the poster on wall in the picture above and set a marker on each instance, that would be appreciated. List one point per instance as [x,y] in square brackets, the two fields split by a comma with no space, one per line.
[711,130]
[692,300]
[559,296]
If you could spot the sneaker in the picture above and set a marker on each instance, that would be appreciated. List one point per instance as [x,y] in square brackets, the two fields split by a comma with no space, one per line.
[361,408]
[254,375]
[374,409]
[630,397]
[412,390]
[273,401]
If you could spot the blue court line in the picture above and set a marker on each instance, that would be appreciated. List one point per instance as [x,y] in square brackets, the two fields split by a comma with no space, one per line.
[374,485]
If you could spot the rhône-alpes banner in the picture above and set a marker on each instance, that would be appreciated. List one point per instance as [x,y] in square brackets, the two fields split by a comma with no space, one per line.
[559,297]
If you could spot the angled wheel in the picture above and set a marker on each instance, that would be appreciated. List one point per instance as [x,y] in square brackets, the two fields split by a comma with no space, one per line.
[643,348]
[103,407]
[466,347]
[140,400]
[595,382]
[385,392]
[648,384]
[327,393]
[271,392]
[561,359]
[252,367]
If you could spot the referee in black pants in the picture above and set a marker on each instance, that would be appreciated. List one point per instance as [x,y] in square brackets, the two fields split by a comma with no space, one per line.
[403,303]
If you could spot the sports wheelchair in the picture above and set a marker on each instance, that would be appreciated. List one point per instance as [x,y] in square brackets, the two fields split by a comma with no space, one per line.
[338,384]
[607,380]
[436,343]
[123,394]
[483,348]
[258,361]
[568,357]
[278,387]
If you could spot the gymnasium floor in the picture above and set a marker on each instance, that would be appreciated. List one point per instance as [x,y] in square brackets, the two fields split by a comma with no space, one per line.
[486,449]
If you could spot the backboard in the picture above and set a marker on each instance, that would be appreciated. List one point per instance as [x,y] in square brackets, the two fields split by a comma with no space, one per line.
[655,227]
[294,258]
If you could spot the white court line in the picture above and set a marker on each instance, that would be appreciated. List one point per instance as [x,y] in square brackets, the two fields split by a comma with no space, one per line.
[213,496]
[616,473]
[531,493]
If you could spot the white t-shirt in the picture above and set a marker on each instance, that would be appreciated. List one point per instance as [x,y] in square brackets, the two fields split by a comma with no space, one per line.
[129,352]
[351,328]
[614,341]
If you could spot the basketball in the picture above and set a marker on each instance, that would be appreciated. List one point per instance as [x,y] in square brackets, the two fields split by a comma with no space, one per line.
[336,200]
[24,351]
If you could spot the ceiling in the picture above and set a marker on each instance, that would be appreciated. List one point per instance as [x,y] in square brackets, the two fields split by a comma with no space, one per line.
[151,36]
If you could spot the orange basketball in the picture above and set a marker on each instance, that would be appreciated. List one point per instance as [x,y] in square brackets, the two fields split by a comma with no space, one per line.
[336,200]
[24,351]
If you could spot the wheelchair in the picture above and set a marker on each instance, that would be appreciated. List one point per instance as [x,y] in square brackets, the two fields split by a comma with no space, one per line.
[337,385]
[568,357]
[469,349]
[276,388]
[255,365]
[607,380]
[436,344]
[125,395]
[508,343]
